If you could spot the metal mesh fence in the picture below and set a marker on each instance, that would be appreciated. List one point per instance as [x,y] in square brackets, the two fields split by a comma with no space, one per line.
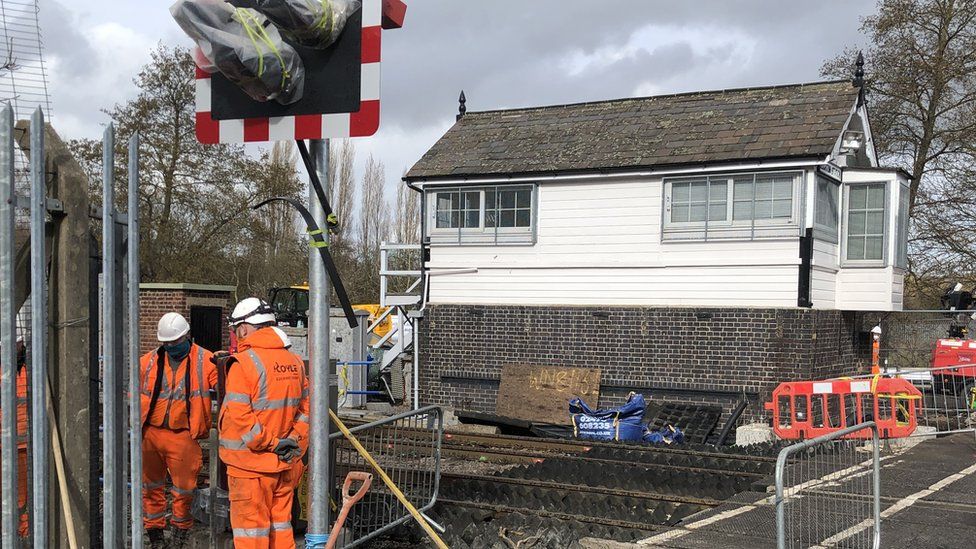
[407,447]
[916,345]
[828,491]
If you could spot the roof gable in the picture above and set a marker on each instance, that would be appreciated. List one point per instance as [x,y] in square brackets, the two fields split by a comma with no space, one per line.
[801,120]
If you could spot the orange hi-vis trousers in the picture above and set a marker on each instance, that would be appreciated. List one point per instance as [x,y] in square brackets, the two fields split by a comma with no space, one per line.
[261,508]
[176,452]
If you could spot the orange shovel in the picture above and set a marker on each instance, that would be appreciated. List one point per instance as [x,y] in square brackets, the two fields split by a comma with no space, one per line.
[348,500]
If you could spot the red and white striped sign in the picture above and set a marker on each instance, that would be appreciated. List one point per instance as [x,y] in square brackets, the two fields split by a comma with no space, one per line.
[362,123]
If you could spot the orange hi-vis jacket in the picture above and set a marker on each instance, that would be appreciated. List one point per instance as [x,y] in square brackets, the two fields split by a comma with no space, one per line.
[22,408]
[188,386]
[266,401]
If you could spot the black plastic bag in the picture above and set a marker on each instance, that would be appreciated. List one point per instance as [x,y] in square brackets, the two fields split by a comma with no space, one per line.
[311,23]
[245,47]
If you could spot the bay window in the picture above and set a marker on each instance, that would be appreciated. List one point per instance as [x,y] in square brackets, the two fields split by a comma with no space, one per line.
[827,209]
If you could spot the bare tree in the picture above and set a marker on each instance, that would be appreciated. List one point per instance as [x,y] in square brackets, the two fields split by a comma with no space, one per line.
[374,226]
[406,216]
[921,79]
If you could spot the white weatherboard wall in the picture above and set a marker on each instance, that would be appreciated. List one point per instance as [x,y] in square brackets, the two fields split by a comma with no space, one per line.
[599,243]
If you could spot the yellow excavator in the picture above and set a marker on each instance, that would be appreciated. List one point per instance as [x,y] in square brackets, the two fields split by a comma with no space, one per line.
[291,307]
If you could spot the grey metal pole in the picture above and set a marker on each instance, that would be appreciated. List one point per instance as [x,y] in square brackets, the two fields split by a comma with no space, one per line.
[320,291]
[38,354]
[8,334]
[110,399]
[135,400]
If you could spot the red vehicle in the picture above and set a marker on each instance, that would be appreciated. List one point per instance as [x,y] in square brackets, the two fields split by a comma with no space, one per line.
[957,353]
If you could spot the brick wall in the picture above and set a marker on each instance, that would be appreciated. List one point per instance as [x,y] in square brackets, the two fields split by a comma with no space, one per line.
[674,354]
[154,303]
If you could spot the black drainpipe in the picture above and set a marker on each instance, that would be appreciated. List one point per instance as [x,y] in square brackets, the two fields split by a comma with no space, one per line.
[806,267]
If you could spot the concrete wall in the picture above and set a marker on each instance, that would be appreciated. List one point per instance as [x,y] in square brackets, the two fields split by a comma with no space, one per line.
[703,355]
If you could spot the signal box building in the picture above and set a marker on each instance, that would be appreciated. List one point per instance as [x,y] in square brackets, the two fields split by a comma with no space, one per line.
[695,247]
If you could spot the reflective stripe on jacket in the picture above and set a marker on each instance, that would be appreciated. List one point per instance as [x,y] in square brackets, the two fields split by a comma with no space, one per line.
[173,393]
[266,401]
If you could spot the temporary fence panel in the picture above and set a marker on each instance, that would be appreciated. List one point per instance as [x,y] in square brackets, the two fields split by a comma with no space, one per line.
[828,491]
[408,447]
[915,347]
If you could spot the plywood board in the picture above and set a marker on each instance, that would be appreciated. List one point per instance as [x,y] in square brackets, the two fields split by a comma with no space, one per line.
[542,393]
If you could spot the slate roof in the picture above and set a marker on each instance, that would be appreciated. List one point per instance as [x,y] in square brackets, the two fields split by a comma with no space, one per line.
[800,120]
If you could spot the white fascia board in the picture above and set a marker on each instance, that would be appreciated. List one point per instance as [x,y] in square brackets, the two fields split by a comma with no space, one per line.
[717,168]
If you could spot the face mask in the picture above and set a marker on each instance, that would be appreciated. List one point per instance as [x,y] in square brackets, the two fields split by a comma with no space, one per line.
[178,351]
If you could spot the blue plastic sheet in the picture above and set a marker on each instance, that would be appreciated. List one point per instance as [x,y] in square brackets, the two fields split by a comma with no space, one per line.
[623,423]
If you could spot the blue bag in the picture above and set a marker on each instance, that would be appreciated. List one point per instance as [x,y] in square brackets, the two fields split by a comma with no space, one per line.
[623,423]
[669,434]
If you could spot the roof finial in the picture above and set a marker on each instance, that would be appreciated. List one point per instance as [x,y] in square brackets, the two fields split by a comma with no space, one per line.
[858,80]
[461,108]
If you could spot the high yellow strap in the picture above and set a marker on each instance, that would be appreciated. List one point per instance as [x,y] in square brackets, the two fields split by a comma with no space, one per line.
[326,18]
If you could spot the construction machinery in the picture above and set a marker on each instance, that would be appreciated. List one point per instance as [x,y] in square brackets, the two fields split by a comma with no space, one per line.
[955,355]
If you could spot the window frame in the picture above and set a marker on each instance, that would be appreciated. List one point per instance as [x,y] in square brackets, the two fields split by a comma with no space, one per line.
[902,226]
[821,231]
[481,235]
[730,228]
[886,219]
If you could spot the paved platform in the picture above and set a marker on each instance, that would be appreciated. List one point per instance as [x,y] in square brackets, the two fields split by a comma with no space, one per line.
[928,501]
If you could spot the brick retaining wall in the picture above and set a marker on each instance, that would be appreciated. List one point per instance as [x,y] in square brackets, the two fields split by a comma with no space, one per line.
[675,354]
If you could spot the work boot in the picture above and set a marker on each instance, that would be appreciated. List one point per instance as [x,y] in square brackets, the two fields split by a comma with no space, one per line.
[155,536]
[180,537]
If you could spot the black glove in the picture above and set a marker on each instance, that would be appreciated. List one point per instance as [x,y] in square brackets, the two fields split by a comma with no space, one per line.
[287,449]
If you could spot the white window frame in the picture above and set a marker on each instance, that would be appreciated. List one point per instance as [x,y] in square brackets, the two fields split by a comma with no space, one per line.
[481,235]
[885,238]
[730,228]
[902,222]
[825,232]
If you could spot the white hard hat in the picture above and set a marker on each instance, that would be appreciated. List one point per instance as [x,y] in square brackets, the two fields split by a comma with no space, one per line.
[252,311]
[172,327]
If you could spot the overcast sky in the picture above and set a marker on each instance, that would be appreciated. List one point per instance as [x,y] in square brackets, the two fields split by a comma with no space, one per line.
[503,53]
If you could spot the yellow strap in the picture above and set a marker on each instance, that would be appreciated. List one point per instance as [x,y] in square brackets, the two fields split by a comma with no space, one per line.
[315,232]
[327,18]
[389,482]
[318,244]
[255,32]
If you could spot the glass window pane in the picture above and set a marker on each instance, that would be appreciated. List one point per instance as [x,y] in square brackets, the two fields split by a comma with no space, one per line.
[472,200]
[697,212]
[876,195]
[717,211]
[444,201]
[873,247]
[783,189]
[507,199]
[507,218]
[490,217]
[490,200]
[856,225]
[718,191]
[782,208]
[679,192]
[743,190]
[444,220]
[874,223]
[679,213]
[698,192]
[523,199]
[858,197]
[764,209]
[472,219]
[764,190]
[741,210]
[523,218]
[855,247]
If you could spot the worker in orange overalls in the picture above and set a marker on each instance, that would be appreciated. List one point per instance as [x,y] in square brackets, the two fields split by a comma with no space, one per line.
[22,529]
[175,381]
[263,428]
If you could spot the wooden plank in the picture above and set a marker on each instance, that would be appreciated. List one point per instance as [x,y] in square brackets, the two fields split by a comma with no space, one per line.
[542,393]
